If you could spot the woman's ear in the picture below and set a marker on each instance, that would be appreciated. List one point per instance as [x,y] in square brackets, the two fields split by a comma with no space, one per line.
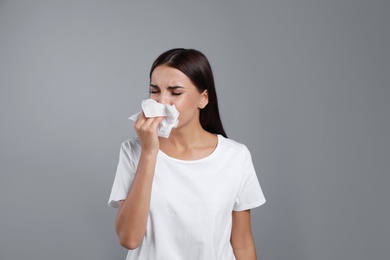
[204,99]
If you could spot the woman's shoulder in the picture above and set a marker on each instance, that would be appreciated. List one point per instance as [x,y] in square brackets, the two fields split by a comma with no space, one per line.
[228,143]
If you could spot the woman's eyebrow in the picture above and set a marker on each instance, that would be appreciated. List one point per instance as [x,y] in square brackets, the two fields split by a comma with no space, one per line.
[169,87]
[174,87]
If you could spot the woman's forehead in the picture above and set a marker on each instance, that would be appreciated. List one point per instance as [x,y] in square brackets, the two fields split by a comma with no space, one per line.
[164,75]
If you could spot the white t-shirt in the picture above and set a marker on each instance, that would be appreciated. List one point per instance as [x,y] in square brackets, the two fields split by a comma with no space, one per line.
[191,205]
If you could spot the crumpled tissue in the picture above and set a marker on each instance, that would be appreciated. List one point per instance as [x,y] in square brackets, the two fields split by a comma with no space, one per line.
[152,108]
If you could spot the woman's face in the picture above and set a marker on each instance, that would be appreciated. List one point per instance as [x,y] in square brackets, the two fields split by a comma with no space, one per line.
[171,86]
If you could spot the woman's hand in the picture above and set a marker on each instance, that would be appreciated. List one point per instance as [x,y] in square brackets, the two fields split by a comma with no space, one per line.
[146,129]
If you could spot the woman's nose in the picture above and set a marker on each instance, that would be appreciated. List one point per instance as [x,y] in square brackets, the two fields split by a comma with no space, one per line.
[163,98]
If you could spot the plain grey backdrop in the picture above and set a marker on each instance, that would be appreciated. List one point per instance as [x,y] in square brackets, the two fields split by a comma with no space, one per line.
[304,84]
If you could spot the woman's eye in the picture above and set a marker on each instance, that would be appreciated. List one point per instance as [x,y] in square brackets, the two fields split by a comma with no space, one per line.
[153,91]
[176,94]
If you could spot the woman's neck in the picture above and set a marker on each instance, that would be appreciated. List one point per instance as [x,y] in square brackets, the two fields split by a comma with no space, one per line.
[189,145]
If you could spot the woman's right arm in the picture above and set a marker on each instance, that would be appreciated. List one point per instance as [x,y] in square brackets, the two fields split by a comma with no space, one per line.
[133,211]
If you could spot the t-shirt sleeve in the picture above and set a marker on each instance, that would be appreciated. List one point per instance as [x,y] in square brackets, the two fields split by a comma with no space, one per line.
[250,194]
[124,176]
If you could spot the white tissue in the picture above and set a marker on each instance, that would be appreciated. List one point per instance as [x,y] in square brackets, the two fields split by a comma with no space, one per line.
[152,108]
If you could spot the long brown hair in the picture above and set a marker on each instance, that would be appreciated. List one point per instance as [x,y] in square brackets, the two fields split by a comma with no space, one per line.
[196,67]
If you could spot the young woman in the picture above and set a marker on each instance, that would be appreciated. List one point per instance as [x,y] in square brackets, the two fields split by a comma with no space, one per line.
[188,196]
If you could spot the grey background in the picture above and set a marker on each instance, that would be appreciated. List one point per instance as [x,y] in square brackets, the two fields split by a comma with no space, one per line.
[304,84]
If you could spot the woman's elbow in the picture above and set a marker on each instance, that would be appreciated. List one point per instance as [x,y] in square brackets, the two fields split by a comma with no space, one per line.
[129,240]
[129,243]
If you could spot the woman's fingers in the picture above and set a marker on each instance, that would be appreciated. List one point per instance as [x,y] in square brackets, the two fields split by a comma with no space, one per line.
[147,124]
[140,121]
[156,122]
[146,129]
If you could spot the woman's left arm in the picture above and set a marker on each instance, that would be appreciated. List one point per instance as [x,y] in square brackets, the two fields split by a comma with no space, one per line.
[241,238]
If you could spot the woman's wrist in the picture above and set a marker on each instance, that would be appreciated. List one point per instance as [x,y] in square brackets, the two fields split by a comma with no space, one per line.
[149,153]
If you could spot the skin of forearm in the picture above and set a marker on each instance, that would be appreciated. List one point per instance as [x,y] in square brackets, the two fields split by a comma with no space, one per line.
[248,253]
[133,213]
